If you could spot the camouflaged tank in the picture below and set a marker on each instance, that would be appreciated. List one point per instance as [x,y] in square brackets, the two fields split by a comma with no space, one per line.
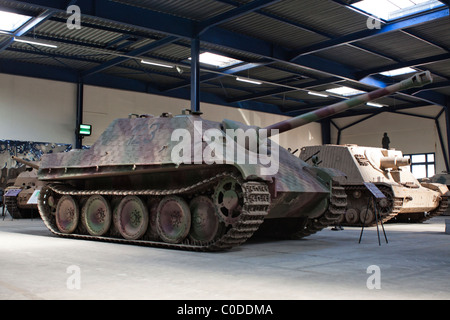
[188,183]
[406,198]
[17,195]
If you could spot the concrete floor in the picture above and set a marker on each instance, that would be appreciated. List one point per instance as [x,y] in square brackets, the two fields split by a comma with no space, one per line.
[415,264]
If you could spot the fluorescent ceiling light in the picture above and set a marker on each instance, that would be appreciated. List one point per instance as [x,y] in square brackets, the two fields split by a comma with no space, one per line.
[12,21]
[376,105]
[35,43]
[248,80]
[156,64]
[317,94]
[345,91]
[395,9]
[397,72]
[216,60]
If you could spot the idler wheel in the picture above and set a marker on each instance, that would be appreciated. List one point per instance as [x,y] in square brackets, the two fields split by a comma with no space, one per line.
[205,222]
[131,218]
[229,199]
[67,214]
[352,216]
[367,216]
[173,219]
[96,215]
[47,200]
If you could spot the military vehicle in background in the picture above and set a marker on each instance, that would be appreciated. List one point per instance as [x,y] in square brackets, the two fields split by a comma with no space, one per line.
[20,190]
[137,185]
[406,198]
[443,178]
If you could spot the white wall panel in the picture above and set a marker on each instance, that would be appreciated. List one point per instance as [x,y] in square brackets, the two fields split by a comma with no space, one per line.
[37,110]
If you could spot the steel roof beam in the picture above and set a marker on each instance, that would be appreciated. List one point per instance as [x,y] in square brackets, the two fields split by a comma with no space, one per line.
[233,14]
[125,14]
[140,51]
[410,63]
[368,33]
[213,76]
[32,23]
[180,27]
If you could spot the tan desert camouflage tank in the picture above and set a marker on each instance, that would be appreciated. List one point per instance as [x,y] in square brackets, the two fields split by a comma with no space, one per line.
[21,190]
[406,198]
[443,178]
[187,183]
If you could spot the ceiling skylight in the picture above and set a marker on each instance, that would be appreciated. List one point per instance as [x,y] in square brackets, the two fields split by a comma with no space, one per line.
[345,91]
[12,21]
[395,9]
[216,60]
[398,72]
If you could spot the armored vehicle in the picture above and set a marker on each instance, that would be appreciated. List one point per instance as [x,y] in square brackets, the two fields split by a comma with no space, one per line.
[406,198]
[443,178]
[188,183]
[18,194]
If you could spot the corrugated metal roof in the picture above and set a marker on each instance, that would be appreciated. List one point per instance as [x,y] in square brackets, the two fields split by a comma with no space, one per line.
[197,10]
[354,57]
[401,46]
[324,16]
[333,42]
[273,31]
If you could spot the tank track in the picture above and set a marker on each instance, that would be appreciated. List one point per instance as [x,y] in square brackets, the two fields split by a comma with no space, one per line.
[421,217]
[391,212]
[256,205]
[298,228]
[337,207]
[13,209]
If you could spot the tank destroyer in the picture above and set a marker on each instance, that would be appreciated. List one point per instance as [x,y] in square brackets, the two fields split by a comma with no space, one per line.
[18,194]
[188,183]
[406,198]
[443,178]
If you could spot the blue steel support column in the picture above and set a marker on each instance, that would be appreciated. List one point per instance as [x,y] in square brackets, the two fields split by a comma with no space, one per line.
[79,120]
[447,127]
[195,74]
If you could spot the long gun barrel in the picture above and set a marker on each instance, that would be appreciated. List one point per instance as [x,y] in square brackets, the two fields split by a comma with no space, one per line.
[25,162]
[418,80]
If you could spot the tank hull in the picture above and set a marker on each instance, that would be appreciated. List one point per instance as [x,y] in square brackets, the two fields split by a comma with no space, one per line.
[135,158]
[442,178]
[18,195]
[407,198]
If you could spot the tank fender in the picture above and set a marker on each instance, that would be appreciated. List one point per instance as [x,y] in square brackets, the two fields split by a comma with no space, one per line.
[326,175]
[441,188]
